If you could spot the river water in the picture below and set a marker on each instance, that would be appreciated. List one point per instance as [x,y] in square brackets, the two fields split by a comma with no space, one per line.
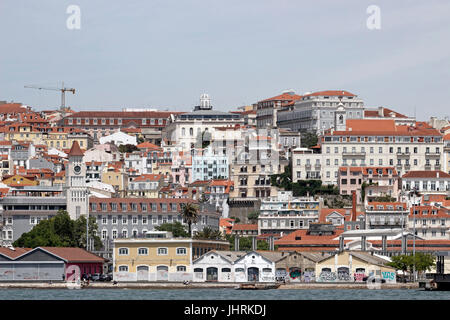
[221,294]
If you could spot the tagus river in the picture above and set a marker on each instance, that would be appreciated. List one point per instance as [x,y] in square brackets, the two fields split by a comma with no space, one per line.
[221,294]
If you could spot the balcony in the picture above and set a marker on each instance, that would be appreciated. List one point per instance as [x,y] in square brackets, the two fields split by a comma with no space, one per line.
[354,154]
[428,167]
[403,154]
[433,154]
[317,166]
[437,167]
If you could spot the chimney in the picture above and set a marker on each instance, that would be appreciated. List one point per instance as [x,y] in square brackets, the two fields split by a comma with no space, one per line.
[380,111]
[353,206]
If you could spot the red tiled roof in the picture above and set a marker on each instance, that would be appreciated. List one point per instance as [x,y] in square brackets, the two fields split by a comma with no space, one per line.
[251,227]
[149,177]
[386,127]
[75,150]
[148,145]
[426,212]
[375,204]
[74,254]
[284,96]
[13,253]
[426,174]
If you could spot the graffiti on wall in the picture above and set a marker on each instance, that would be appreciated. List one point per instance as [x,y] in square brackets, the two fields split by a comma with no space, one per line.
[295,273]
[388,276]
[309,276]
[359,276]
[327,276]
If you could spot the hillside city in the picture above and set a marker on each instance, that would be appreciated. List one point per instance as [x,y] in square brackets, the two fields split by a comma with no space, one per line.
[312,187]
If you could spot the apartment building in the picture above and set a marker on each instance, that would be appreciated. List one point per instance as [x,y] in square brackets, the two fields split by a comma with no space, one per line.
[188,130]
[316,112]
[284,213]
[104,123]
[267,109]
[427,182]
[383,215]
[369,143]
[206,165]
[430,222]
[377,181]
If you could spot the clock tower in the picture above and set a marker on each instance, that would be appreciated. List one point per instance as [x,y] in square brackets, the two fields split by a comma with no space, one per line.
[76,189]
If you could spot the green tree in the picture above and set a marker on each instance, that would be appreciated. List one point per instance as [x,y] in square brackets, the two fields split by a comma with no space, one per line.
[190,215]
[127,148]
[60,231]
[245,243]
[309,139]
[177,229]
[253,216]
[209,234]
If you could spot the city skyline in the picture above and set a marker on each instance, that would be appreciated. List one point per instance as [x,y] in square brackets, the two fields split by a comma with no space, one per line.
[132,55]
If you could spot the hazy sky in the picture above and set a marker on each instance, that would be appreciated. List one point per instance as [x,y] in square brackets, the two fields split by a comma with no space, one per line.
[165,53]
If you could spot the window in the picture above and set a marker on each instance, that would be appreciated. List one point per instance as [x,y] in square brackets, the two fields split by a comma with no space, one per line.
[181,251]
[143,251]
[123,268]
[162,251]
[144,220]
[124,220]
[123,251]
[181,268]
[114,220]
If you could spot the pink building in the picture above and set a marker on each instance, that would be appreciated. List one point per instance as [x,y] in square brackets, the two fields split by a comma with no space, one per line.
[378,181]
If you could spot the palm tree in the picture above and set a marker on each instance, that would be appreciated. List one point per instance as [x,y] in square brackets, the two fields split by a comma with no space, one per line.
[190,215]
[208,233]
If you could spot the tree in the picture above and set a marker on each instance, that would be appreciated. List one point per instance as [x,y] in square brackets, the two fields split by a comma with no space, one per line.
[401,262]
[127,148]
[253,216]
[177,229]
[309,139]
[245,243]
[190,215]
[60,231]
[421,261]
[209,234]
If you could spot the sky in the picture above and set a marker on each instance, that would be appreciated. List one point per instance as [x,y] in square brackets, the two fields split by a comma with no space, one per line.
[164,54]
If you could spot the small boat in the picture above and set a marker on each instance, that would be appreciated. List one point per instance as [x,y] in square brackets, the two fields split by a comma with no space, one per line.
[257,286]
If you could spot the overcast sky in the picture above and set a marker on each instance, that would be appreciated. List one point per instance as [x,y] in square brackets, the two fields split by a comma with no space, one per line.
[165,53]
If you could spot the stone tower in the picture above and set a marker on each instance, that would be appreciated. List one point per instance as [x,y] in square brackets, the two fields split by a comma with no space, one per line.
[340,116]
[76,189]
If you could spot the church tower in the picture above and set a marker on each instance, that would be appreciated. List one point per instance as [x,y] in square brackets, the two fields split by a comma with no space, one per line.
[76,189]
[340,116]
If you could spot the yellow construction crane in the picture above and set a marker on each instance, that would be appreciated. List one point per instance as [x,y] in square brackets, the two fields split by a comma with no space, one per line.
[62,89]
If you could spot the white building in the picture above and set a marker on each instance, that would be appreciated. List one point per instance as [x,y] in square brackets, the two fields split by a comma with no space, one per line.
[371,143]
[315,112]
[188,129]
[284,213]
[119,138]
[207,166]
[427,182]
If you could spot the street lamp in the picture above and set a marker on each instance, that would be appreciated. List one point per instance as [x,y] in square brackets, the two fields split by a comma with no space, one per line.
[87,219]
[414,193]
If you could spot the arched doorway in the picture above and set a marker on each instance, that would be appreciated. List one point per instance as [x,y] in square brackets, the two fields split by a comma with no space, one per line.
[253,274]
[162,273]
[212,274]
[142,273]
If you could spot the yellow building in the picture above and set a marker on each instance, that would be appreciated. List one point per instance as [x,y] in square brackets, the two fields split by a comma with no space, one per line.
[350,266]
[17,180]
[63,138]
[159,257]
[23,132]
[116,177]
